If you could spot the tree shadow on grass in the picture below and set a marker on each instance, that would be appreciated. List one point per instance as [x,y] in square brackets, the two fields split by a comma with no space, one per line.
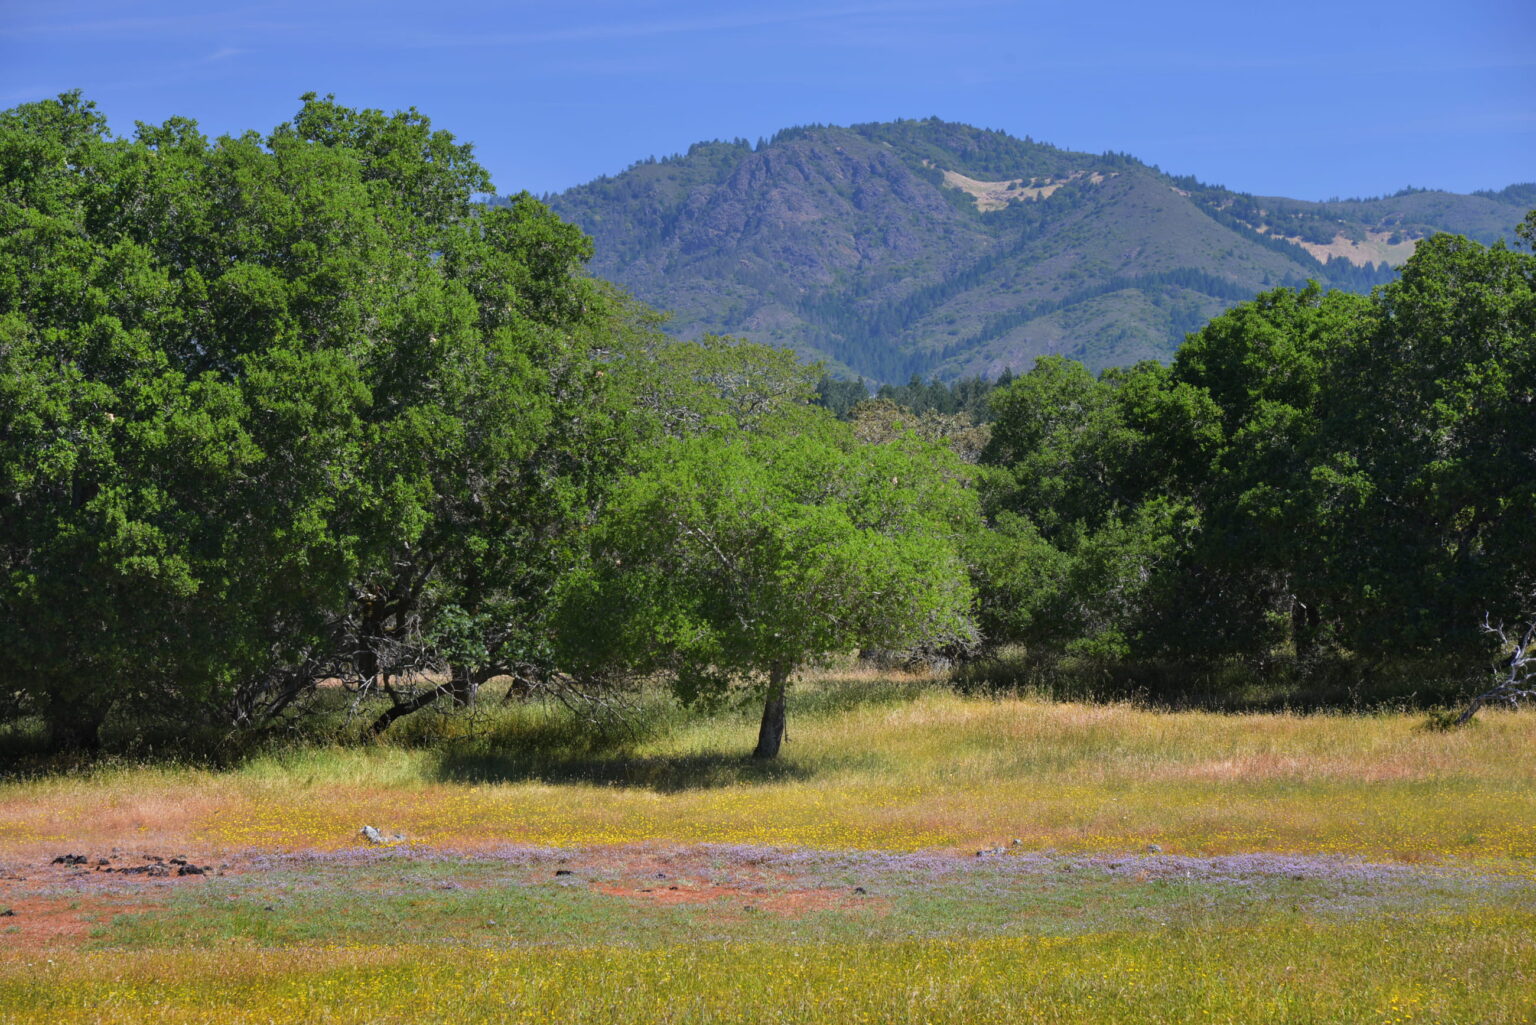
[666,774]
[565,750]
[1233,686]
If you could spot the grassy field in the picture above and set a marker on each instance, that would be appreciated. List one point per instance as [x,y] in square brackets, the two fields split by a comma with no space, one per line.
[917,855]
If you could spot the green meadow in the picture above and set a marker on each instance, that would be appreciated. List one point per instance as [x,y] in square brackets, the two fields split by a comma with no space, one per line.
[916,854]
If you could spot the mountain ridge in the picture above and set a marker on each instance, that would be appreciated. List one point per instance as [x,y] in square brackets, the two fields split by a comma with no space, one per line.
[933,248]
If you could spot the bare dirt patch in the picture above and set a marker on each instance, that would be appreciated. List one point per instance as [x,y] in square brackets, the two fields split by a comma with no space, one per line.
[1376,247]
[530,894]
[36,923]
[994,195]
[57,902]
[669,877]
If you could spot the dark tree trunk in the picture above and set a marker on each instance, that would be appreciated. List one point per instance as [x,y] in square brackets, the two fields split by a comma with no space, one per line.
[405,708]
[73,727]
[462,685]
[521,687]
[770,735]
[1306,623]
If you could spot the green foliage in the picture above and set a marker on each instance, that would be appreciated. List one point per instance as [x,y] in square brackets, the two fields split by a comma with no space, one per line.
[877,421]
[1262,551]
[1432,460]
[275,408]
[1316,473]
[744,557]
[683,388]
[839,397]
[278,409]
[1081,532]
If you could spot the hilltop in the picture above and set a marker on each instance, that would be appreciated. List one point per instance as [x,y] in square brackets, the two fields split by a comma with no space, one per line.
[941,249]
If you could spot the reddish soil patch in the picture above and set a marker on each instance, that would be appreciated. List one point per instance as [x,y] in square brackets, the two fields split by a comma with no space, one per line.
[40,922]
[676,876]
[56,905]
[650,866]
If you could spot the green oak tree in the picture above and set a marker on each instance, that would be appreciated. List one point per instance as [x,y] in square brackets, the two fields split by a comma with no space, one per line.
[740,558]
[1259,571]
[1073,489]
[1428,466]
[1317,472]
[283,407]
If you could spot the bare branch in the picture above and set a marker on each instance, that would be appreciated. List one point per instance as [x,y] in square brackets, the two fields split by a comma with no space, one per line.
[1517,681]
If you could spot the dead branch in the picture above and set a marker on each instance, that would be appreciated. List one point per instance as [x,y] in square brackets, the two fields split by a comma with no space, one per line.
[1517,681]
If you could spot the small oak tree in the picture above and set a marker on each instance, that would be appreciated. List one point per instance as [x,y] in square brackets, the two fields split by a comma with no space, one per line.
[741,559]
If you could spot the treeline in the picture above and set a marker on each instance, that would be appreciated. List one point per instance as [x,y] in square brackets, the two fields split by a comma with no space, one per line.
[288,412]
[967,395]
[294,411]
[1318,476]
[1317,473]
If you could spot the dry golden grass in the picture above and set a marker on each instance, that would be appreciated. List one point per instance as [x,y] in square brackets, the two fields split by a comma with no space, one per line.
[1375,248]
[864,767]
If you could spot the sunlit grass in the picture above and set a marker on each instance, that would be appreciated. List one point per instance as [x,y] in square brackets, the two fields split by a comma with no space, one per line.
[870,763]
[1479,968]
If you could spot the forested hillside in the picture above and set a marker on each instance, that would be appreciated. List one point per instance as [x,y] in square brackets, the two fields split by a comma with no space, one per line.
[925,247]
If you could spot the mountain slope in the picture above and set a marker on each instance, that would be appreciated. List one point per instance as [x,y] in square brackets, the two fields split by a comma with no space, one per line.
[936,248]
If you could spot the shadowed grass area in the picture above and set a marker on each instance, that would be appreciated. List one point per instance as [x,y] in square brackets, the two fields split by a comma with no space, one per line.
[1274,684]
[661,773]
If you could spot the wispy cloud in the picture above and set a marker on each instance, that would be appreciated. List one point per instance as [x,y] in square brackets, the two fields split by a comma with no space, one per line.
[222,54]
[158,26]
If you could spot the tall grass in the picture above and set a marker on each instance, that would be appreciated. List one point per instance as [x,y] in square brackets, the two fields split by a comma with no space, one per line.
[1451,969]
[871,761]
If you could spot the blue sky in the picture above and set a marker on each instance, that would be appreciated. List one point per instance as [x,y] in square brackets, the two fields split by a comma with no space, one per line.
[1302,99]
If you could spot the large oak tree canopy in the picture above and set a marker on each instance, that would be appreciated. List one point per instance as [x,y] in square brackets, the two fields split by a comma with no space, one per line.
[1316,473]
[280,407]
